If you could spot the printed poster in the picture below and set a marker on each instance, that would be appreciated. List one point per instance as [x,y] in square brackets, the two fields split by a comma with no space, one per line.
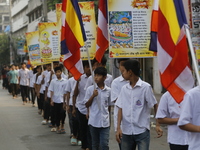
[20,47]
[195,8]
[129,28]
[33,47]
[89,22]
[49,41]
[59,23]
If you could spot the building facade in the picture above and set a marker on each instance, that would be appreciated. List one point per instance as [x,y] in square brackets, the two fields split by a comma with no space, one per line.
[4,15]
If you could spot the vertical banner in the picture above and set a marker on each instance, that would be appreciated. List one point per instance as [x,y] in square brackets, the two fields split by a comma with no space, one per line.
[49,41]
[195,7]
[59,23]
[89,22]
[33,47]
[20,47]
[129,28]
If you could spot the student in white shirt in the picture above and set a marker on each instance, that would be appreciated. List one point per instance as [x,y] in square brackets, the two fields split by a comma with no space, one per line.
[190,119]
[96,64]
[24,82]
[32,75]
[79,108]
[37,86]
[97,99]
[116,86]
[57,87]
[135,102]
[168,113]
[69,105]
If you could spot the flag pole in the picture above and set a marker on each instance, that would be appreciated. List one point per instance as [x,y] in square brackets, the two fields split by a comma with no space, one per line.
[90,65]
[192,53]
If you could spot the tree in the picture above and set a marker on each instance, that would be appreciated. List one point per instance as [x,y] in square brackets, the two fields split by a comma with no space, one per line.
[4,49]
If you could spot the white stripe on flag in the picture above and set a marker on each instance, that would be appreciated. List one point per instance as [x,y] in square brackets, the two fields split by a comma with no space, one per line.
[156,5]
[79,66]
[102,24]
[164,58]
[63,18]
[185,80]
[66,56]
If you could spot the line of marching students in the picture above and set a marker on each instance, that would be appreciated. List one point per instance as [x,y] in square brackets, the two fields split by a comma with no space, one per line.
[88,105]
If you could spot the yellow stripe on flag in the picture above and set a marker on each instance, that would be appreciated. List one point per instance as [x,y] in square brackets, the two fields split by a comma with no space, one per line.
[73,22]
[169,11]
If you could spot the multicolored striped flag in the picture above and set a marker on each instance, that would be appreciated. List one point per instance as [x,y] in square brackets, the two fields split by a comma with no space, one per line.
[168,38]
[102,31]
[72,37]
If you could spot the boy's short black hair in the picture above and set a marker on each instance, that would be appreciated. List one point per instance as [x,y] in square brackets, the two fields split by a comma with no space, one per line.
[58,68]
[85,63]
[103,61]
[23,63]
[101,71]
[122,59]
[133,65]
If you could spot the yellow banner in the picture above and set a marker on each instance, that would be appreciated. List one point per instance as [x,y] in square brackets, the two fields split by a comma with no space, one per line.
[33,47]
[49,41]
[89,22]
[129,28]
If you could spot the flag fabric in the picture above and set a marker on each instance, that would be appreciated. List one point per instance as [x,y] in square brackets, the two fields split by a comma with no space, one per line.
[72,37]
[102,31]
[168,38]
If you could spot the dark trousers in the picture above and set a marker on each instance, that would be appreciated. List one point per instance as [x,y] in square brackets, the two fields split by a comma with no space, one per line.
[47,108]
[24,92]
[14,89]
[59,114]
[178,147]
[41,102]
[70,119]
[76,126]
[5,83]
[84,131]
[33,94]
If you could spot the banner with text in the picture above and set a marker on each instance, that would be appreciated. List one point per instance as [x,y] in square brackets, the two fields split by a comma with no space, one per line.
[49,41]
[129,28]
[32,39]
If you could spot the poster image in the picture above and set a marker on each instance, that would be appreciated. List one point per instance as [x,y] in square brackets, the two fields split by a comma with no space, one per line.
[129,28]
[33,46]
[89,22]
[49,41]
[120,29]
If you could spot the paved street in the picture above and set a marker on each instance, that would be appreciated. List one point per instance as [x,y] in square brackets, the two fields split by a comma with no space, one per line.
[21,129]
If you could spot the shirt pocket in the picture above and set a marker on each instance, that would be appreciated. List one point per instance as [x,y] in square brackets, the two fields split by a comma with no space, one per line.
[138,102]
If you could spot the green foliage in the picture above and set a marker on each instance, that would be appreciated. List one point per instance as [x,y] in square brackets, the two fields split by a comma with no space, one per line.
[4,49]
[51,4]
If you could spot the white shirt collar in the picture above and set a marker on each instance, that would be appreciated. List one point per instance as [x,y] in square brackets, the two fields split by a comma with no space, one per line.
[121,79]
[138,83]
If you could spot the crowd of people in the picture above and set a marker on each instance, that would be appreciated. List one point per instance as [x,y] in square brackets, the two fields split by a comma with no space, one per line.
[88,102]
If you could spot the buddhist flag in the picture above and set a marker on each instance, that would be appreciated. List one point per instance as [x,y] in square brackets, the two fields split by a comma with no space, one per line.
[168,38]
[102,31]
[72,37]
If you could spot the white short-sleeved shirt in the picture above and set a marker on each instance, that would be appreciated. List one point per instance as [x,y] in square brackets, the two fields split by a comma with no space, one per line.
[80,103]
[108,81]
[99,114]
[70,88]
[169,108]
[47,79]
[116,86]
[31,78]
[24,77]
[136,103]
[190,113]
[39,80]
[57,87]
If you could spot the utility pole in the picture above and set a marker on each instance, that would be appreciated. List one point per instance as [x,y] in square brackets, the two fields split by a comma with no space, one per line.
[10,37]
[45,11]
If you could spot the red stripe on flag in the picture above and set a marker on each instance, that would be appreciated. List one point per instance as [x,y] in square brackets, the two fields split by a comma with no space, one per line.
[103,45]
[176,92]
[154,21]
[164,36]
